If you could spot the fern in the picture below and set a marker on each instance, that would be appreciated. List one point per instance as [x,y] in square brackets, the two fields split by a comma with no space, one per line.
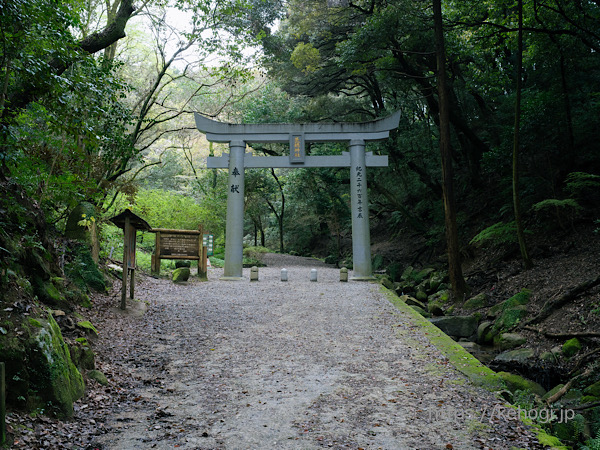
[567,203]
[578,182]
[497,234]
[592,444]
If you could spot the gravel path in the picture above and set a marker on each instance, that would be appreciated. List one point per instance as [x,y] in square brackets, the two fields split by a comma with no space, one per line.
[296,365]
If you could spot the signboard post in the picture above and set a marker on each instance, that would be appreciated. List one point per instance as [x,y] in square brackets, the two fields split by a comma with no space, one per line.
[130,223]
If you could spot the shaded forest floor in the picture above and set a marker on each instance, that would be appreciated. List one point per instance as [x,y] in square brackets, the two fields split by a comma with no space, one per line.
[562,261]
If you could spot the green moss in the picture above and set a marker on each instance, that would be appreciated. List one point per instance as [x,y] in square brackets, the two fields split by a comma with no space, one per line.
[87,326]
[98,376]
[35,323]
[593,389]
[509,319]
[61,382]
[477,302]
[571,347]
[462,360]
[518,383]
[550,441]
[83,271]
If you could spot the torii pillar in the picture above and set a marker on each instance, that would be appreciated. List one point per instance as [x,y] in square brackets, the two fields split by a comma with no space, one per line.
[356,134]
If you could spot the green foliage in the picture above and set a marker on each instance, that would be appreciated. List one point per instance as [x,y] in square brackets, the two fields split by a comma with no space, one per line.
[500,233]
[83,271]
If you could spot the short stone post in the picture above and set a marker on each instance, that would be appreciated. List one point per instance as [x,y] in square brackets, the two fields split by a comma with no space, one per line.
[313,275]
[284,275]
[343,274]
[254,273]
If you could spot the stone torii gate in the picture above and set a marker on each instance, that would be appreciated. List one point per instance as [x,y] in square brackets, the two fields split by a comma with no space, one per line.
[238,135]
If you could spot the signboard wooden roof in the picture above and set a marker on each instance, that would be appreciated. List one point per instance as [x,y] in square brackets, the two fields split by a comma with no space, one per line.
[135,221]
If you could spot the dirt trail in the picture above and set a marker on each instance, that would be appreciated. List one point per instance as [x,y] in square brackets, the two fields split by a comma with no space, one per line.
[296,365]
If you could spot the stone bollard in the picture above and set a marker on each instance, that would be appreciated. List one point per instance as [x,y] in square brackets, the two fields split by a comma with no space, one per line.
[313,275]
[284,275]
[343,274]
[254,273]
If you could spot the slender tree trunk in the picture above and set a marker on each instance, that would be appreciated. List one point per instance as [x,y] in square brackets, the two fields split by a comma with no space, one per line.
[459,286]
[515,156]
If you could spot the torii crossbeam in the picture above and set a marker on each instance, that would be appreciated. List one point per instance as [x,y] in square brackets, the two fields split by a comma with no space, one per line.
[355,133]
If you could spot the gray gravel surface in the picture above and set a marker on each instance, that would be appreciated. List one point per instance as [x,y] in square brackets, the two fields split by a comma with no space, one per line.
[289,365]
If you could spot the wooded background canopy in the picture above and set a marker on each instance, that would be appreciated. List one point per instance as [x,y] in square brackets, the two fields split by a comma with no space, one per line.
[96,105]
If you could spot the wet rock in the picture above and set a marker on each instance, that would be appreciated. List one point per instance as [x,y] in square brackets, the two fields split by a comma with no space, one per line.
[457,326]
[519,356]
[484,335]
[509,340]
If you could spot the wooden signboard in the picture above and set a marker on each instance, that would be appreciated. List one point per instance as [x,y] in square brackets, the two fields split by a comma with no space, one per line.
[180,244]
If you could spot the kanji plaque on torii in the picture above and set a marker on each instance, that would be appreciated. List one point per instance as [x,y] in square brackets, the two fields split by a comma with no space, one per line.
[355,133]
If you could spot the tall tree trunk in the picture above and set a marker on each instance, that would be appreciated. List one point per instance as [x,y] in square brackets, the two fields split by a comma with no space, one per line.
[515,156]
[459,286]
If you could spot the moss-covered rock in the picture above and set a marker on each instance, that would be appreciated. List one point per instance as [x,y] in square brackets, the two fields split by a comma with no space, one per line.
[387,282]
[593,389]
[509,318]
[421,295]
[59,380]
[507,341]
[571,347]
[82,355]
[518,383]
[98,376]
[476,302]
[457,326]
[180,275]
[519,356]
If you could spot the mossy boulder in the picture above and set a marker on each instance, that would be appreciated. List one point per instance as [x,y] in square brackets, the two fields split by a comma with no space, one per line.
[519,356]
[457,326]
[571,347]
[387,283]
[59,380]
[509,318]
[82,355]
[518,383]
[477,302]
[593,389]
[421,295]
[507,341]
[98,376]
[181,274]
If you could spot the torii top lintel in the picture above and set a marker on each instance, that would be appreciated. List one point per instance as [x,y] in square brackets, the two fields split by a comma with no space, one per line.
[312,132]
